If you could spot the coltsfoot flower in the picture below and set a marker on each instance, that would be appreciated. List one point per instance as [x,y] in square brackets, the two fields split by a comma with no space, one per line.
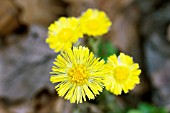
[78,74]
[94,22]
[123,74]
[63,33]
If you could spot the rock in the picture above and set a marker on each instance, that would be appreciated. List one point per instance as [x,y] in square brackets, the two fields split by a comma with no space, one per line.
[87,108]
[111,7]
[160,81]
[62,106]
[156,45]
[3,106]
[157,57]
[41,12]
[168,33]
[25,65]
[23,107]
[44,101]
[124,34]
[157,51]
[8,17]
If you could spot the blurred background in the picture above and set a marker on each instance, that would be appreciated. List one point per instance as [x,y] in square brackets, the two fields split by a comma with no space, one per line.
[141,28]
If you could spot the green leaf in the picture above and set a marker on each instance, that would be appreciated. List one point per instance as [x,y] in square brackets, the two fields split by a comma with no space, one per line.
[93,44]
[134,111]
[148,108]
[106,49]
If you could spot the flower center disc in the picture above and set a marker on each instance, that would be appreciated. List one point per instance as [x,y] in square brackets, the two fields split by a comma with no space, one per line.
[93,24]
[65,34]
[121,73]
[78,74]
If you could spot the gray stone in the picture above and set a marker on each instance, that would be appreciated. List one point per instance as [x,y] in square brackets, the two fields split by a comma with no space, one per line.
[157,52]
[160,80]
[25,65]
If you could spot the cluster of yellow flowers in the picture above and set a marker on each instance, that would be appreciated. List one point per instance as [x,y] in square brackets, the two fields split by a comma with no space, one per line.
[77,72]
[66,31]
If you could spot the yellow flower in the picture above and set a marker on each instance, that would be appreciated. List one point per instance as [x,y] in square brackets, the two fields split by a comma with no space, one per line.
[94,22]
[62,33]
[78,74]
[123,74]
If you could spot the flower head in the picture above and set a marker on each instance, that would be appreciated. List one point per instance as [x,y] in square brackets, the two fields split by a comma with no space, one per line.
[62,33]
[78,74]
[123,74]
[94,22]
